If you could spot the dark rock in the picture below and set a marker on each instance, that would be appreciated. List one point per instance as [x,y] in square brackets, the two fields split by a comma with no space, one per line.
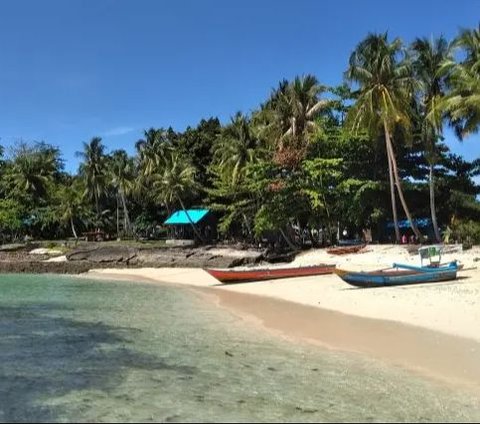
[239,262]
[102,254]
[274,258]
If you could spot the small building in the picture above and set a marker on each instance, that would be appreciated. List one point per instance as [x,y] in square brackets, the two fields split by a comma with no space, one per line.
[180,230]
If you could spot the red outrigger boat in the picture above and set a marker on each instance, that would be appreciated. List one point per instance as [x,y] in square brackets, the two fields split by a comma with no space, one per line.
[239,276]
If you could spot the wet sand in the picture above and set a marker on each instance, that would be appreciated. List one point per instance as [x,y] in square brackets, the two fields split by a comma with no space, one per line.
[448,358]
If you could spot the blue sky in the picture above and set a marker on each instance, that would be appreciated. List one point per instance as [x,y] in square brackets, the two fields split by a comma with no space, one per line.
[71,70]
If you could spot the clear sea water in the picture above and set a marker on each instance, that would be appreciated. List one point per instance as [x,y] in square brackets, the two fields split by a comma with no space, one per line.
[89,351]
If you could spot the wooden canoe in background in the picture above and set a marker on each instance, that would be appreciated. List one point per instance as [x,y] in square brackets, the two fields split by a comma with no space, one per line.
[399,275]
[239,276]
[344,250]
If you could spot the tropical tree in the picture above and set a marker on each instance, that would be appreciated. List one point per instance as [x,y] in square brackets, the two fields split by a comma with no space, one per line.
[429,59]
[31,171]
[198,144]
[93,170]
[121,175]
[290,118]
[383,102]
[153,150]
[175,182]
[463,102]
[236,147]
[71,207]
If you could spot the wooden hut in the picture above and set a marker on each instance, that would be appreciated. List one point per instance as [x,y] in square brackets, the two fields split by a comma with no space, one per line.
[180,224]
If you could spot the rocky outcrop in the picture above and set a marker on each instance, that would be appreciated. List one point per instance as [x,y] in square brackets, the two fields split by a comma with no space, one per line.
[38,267]
[194,258]
[104,254]
[84,258]
[165,257]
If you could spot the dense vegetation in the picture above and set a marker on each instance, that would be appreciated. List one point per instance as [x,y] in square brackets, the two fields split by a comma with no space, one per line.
[309,160]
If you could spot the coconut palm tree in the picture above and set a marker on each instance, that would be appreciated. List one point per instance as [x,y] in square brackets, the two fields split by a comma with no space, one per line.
[32,170]
[174,182]
[383,101]
[429,58]
[236,147]
[290,118]
[463,102]
[469,41]
[121,176]
[152,150]
[94,171]
[71,207]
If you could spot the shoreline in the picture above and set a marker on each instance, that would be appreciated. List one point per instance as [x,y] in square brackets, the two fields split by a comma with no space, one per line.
[440,355]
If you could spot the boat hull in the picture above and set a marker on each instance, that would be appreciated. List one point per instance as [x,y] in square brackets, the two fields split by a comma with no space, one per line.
[344,250]
[238,276]
[400,277]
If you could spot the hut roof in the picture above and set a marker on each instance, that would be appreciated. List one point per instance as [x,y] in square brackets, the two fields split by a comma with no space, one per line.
[182,217]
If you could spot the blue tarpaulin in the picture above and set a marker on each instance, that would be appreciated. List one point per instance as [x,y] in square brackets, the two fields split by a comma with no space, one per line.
[181,218]
[405,223]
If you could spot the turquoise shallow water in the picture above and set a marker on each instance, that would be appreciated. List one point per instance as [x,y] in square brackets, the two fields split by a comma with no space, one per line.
[78,350]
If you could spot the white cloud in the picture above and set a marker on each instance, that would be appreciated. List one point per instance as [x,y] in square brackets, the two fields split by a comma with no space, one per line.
[118,131]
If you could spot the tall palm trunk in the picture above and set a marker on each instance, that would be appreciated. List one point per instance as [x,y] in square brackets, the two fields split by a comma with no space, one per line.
[392,196]
[73,228]
[432,205]
[195,230]
[398,183]
[97,207]
[125,213]
[247,224]
[118,220]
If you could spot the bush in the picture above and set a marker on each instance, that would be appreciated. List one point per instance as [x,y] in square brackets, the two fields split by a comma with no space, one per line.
[465,232]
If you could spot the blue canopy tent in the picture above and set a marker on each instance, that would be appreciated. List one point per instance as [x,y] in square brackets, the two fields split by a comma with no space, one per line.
[423,224]
[405,223]
[182,217]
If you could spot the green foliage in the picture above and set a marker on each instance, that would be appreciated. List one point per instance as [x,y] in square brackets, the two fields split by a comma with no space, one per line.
[11,214]
[198,145]
[465,232]
[384,82]
[30,172]
[94,173]
[463,102]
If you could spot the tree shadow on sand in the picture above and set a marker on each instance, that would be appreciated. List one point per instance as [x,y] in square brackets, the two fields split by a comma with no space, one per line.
[43,356]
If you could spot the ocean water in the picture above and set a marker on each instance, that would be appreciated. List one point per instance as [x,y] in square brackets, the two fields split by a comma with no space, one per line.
[89,351]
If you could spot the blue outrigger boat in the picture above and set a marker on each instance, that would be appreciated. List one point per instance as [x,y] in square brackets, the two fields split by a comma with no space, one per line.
[400,274]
